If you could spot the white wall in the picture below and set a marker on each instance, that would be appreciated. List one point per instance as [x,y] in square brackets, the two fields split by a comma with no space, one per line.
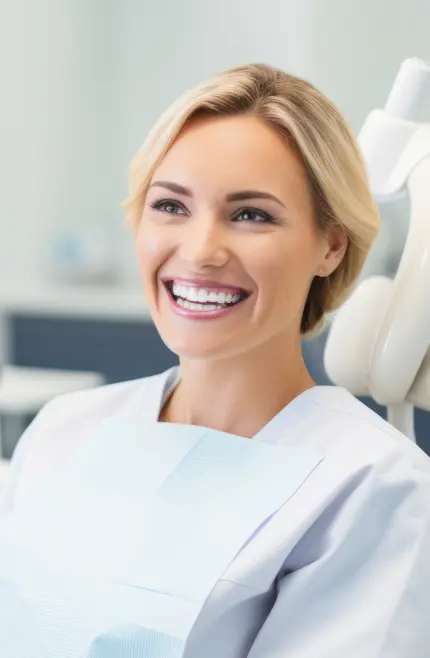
[57,107]
[359,46]
[84,80]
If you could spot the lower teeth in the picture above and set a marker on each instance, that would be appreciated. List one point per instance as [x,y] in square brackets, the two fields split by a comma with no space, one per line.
[194,306]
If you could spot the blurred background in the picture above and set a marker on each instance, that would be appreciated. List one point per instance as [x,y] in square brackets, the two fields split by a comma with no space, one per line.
[82,81]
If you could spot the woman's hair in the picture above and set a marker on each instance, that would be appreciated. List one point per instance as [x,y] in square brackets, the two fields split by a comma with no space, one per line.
[329,151]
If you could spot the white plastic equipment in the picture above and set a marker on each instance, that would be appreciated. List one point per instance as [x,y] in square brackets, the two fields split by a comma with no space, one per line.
[379,341]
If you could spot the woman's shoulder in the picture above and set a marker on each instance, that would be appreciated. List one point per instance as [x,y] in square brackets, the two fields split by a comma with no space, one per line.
[99,402]
[94,405]
[340,426]
[67,421]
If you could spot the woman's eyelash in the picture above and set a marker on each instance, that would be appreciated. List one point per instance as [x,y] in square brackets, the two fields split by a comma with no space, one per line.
[163,203]
[265,218]
[253,211]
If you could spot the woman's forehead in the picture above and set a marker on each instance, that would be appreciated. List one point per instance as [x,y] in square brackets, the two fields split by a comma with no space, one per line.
[230,153]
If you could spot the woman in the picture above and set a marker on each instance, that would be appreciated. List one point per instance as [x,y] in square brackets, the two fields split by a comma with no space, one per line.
[230,507]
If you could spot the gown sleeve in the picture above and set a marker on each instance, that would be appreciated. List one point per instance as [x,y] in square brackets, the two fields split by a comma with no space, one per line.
[357,585]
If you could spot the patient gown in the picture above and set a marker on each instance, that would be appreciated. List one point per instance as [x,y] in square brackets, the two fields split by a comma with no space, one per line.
[124,537]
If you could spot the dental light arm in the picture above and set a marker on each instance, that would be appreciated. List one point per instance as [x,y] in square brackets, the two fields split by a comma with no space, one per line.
[379,341]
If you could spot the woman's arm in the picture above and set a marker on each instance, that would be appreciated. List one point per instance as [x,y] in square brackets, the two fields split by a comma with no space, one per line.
[367,593]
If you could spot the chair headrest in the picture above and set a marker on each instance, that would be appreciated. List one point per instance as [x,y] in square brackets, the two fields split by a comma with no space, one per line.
[379,340]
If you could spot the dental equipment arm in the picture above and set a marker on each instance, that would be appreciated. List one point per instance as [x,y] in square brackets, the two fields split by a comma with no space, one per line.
[379,341]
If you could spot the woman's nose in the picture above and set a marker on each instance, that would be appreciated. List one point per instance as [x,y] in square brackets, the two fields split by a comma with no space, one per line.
[204,243]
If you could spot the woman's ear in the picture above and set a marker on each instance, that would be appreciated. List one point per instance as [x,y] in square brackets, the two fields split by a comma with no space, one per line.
[336,244]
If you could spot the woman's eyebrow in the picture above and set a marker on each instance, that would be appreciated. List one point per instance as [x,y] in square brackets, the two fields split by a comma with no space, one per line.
[253,194]
[173,187]
[243,195]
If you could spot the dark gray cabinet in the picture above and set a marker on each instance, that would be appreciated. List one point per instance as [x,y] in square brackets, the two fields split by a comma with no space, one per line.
[118,350]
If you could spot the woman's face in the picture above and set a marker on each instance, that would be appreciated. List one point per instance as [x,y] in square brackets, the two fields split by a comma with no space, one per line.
[227,242]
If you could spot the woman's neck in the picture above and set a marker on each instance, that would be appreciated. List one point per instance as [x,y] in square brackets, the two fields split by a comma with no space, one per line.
[239,394]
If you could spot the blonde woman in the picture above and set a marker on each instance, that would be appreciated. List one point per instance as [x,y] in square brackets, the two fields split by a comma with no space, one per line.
[229,507]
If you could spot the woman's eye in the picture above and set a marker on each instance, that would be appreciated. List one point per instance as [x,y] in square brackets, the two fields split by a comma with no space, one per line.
[252,215]
[169,207]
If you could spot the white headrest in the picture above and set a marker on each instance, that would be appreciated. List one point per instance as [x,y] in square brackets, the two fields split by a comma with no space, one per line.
[352,334]
[379,340]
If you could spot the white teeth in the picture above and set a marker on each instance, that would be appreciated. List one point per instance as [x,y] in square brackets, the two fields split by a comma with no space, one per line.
[193,295]
[197,307]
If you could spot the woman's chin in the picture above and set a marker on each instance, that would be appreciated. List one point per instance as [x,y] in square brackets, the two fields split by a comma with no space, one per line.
[200,349]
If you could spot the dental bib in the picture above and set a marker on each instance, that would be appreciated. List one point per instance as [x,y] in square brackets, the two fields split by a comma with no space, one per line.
[114,554]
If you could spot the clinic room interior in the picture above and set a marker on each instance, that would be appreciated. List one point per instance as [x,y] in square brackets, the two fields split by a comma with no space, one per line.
[118,310]
[83,83]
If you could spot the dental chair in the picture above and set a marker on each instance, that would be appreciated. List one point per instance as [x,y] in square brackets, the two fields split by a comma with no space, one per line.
[378,344]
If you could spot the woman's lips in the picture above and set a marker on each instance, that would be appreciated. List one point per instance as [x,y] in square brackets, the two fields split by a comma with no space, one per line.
[194,301]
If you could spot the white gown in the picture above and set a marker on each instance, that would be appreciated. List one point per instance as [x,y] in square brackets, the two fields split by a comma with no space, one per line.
[122,537]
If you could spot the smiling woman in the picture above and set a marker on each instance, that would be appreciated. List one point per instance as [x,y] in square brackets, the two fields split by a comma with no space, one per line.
[313,143]
[252,218]
[239,218]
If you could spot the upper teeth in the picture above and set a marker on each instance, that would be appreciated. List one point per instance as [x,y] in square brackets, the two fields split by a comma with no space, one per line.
[203,295]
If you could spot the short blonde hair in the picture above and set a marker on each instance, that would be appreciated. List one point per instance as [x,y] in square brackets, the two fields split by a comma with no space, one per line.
[304,115]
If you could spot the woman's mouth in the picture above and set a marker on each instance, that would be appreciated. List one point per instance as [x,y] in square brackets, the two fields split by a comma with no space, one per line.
[203,301]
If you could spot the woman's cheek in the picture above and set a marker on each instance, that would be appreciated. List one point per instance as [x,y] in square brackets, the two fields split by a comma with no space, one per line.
[149,246]
[155,247]
[268,257]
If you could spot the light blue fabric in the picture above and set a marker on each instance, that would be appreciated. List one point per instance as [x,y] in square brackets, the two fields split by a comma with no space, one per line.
[139,642]
[116,552]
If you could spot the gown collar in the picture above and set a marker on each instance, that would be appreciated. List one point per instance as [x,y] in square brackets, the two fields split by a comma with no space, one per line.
[295,414]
